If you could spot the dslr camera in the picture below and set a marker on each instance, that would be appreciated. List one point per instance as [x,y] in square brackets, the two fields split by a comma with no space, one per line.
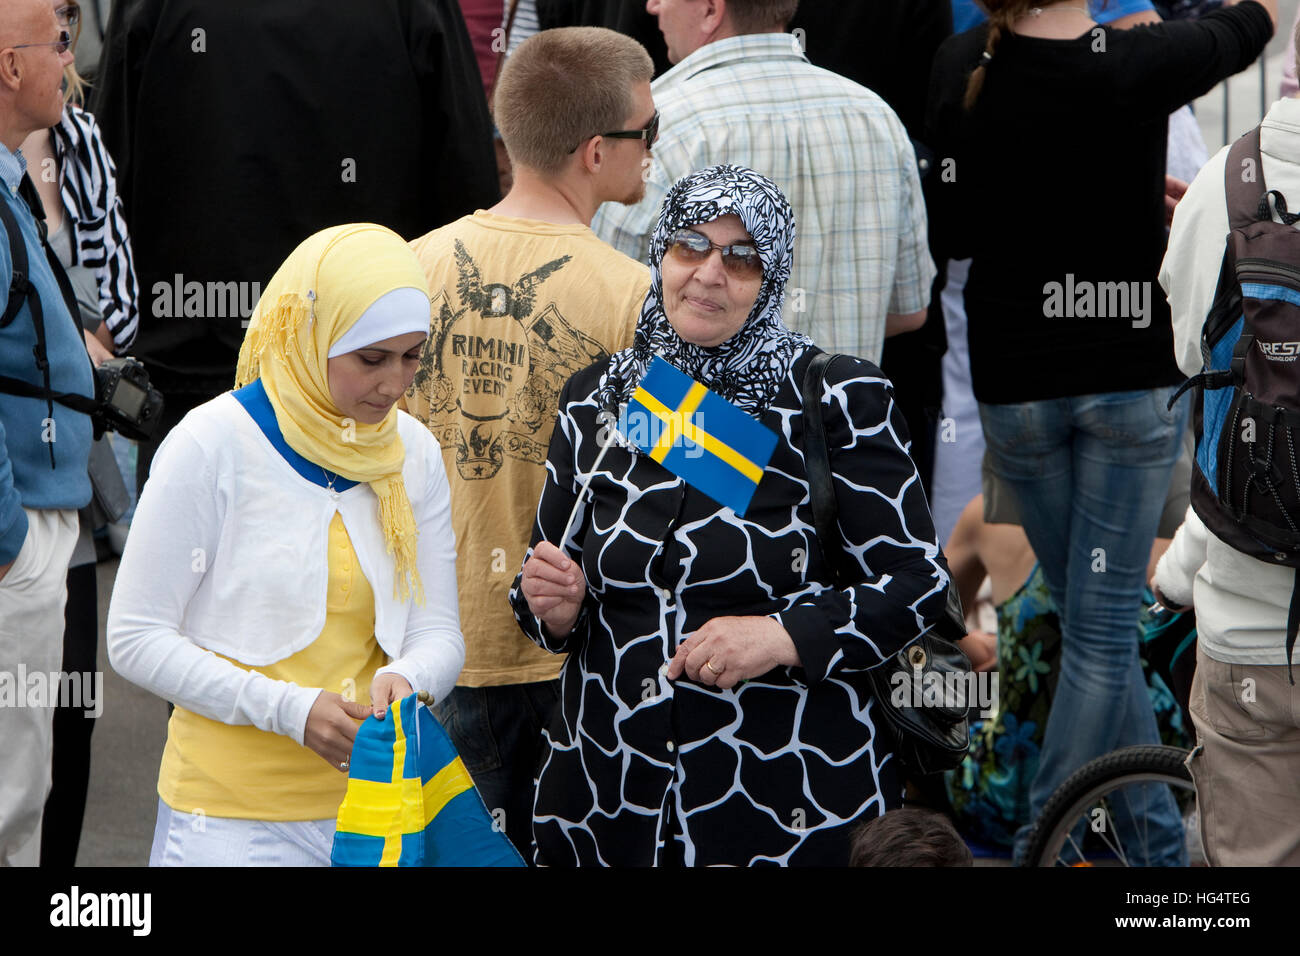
[125,402]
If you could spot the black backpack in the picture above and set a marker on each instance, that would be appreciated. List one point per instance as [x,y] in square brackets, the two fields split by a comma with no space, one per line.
[1246,482]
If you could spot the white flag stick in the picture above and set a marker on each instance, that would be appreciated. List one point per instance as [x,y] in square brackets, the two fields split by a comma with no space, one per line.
[582,493]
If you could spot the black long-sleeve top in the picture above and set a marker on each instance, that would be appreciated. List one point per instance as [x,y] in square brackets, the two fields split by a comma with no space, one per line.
[1054,186]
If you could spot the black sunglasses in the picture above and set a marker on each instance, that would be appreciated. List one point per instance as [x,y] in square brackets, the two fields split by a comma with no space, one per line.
[739,259]
[649,134]
[60,45]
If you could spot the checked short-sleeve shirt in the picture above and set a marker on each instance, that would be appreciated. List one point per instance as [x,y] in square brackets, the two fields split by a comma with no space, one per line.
[839,153]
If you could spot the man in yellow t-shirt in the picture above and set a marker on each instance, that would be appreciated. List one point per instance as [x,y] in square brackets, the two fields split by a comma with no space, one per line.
[523,296]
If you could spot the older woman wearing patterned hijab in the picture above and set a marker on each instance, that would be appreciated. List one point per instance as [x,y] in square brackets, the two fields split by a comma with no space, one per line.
[291,567]
[716,708]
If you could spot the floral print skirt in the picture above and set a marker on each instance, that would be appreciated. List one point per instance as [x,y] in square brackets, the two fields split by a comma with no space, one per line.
[989,791]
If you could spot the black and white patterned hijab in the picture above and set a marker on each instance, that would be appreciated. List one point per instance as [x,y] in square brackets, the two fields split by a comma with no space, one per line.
[748,368]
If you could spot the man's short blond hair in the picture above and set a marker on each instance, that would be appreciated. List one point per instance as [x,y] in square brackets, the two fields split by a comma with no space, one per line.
[756,16]
[562,87]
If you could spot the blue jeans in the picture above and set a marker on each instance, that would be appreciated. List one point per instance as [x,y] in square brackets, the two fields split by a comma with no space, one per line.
[1090,474]
[498,732]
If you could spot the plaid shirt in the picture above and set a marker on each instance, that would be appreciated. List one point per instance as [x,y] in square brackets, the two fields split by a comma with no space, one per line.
[838,152]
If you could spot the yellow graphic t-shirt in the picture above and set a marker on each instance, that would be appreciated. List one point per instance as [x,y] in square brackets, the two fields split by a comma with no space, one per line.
[518,307]
[250,774]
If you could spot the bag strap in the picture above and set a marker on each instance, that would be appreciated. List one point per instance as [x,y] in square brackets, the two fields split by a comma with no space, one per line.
[27,190]
[821,492]
[20,286]
[1292,624]
[817,463]
[18,250]
[16,386]
[1243,198]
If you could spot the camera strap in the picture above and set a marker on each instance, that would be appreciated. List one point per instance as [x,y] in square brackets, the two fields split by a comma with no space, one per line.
[27,190]
[22,290]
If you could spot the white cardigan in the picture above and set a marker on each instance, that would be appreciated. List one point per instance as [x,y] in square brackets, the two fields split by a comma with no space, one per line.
[228,552]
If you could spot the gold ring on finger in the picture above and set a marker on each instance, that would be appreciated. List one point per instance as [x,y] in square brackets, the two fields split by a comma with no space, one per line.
[709,665]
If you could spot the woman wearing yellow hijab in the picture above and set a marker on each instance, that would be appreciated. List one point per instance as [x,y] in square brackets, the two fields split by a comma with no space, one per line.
[291,565]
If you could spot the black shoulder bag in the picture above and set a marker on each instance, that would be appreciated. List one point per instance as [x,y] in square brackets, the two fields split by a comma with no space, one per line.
[928,737]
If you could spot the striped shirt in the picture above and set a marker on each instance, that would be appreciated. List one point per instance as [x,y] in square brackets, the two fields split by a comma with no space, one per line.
[94,215]
[839,153]
[525,24]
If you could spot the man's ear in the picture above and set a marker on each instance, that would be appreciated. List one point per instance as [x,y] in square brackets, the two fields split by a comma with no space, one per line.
[592,154]
[715,16]
[10,71]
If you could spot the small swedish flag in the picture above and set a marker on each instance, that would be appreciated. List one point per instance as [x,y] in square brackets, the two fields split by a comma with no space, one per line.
[410,800]
[697,435]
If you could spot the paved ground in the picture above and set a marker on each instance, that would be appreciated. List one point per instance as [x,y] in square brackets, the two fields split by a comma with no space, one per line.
[127,747]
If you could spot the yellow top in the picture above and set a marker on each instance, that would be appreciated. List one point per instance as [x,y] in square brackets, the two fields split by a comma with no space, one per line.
[246,773]
[518,307]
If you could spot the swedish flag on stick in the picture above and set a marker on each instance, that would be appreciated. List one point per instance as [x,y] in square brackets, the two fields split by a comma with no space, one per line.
[697,435]
[410,801]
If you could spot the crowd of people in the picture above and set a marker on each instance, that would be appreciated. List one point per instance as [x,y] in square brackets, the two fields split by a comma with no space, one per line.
[396,310]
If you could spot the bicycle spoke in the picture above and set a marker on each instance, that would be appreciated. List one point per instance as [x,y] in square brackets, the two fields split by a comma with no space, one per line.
[1128,830]
[1132,820]
[1105,836]
[1146,824]
[1077,851]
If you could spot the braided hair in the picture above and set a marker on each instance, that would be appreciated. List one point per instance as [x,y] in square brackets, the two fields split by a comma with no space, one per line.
[1001,13]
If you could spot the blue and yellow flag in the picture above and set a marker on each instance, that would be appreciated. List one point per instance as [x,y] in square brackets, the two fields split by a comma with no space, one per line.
[697,435]
[410,801]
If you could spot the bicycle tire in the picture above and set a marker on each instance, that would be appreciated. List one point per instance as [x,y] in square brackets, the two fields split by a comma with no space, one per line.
[1095,779]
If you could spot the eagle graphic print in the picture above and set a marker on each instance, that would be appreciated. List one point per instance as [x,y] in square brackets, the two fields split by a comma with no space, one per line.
[494,365]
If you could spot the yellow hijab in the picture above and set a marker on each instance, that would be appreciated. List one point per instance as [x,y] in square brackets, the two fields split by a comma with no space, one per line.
[312,300]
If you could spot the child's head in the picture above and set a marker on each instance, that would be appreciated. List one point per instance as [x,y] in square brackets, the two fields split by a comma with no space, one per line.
[909,837]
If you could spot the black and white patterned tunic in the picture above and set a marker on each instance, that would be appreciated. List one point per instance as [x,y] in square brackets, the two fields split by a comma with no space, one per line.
[642,770]
[777,768]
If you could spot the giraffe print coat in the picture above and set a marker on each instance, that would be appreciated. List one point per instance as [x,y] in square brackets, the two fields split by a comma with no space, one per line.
[642,770]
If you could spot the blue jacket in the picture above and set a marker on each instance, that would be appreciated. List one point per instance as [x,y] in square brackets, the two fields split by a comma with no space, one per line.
[26,477]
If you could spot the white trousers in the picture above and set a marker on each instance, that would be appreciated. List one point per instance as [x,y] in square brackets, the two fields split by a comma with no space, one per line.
[193,839]
[32,596]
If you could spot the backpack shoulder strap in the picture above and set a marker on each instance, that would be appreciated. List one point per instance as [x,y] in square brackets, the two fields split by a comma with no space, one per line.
[1243,181]
[20,286]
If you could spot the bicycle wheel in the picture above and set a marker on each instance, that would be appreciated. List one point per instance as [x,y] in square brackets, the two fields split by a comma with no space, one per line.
[1095,818]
